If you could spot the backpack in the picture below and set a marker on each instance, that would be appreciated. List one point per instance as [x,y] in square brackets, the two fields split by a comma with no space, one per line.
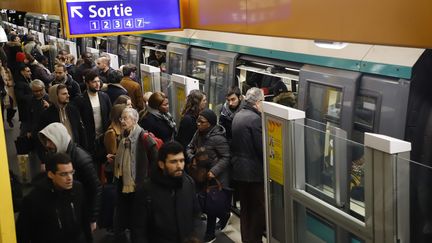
[35,53]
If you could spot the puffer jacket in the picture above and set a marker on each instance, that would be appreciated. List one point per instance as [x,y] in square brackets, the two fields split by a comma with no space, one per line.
[246,146]
[83,165]
[218,151]
[50,216]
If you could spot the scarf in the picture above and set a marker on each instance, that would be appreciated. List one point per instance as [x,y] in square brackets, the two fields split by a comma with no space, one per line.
[167,117]
[124,165]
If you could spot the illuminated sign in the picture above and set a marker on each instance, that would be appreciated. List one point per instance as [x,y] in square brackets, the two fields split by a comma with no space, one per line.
[113,17]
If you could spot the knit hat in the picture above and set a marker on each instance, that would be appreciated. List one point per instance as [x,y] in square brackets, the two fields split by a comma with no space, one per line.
[20,57]
[209,115]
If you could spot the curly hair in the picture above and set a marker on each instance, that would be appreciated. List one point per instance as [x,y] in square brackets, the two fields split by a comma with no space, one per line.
[193,102]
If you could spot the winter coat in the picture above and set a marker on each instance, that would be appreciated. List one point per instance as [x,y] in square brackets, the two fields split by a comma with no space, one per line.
[186,129]
[39,71]
[83,164]
[246,146]
[84,106]
[114,91]
[71,85]
[158,127]
[51,216]
[166,210]
[227,116]
[134,92]
[23,94]
[217,149]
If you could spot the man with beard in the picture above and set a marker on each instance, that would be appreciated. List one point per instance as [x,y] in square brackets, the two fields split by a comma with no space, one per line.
[54,209]
[166,208]
[94,107]
[61,111]
[62,77]
[234,103]
[87,65]
[56,139]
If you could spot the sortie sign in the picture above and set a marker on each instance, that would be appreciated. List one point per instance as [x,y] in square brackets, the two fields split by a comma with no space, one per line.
[113,17]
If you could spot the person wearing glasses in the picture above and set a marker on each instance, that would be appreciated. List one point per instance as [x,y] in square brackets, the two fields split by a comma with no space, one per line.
[56,139]
[54,210]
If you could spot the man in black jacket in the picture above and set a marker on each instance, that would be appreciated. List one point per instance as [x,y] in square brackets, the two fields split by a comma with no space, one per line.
[55,138]
[166,207]
[53,211]
[247,166]
[23,91]
[94,107]
[62,77]
[83,68]
[234,103]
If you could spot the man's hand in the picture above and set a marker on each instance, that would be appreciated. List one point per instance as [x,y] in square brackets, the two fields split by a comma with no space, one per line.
[93,226]
[210,175]
[45,104]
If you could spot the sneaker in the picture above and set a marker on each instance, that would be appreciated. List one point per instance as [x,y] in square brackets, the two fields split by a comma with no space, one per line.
[209,238]
[223,222]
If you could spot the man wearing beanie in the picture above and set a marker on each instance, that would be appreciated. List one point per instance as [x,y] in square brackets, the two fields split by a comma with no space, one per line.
[247,165]
[210,141]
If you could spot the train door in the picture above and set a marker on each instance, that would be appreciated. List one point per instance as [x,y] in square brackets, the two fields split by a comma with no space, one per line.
[112,44]
[220,76]
[197,65]
[177,55]
[44,28]
[101,44]
[37,23]
[134,52]
[54,29]
[328,97]
[123,50]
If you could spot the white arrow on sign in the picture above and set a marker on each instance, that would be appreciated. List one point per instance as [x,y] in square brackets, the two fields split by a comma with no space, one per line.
[74,10]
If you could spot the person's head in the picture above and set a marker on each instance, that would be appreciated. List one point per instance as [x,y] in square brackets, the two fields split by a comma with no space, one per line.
[128,119]
[42,59]
[92,82]
[116,112]
[254,97]
[60,72]
[70,59]
[55,138]
[125,100]
[38,88]
[60,92]
[159,55]
[87,58]
[21,58]
[24,71]
[206,120]
[103,63]
[159,101]
[30,38]
[171,160]
[60,171]
[233,97]
[196,101]
[114,77]
[129,70]
[15,38]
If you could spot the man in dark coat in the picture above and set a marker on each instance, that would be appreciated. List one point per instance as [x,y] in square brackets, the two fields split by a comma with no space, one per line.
[62,77]
[83,68]
[39,71]
[247,166]
[23,91]
[166,207]
[103,65]
[53,211]
[234,103]
[114,88]
[61,111]
[56,138]
[94,107]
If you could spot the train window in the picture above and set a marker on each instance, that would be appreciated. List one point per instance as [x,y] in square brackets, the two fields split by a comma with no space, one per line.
[123,53]
[218,77]
[197,69]
[175,63]
[324,103]
[365,110]
[133,53]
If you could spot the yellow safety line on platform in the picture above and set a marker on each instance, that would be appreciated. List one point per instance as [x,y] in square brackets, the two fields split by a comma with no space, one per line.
[7,221]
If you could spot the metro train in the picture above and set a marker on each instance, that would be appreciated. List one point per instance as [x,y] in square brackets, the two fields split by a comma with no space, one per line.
[357,88]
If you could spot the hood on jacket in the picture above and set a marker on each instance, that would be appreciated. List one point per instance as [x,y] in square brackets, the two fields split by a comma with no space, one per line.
[53,95]
[58,134]
[229,113]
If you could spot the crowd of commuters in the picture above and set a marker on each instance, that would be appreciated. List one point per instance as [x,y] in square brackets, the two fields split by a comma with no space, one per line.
[93,129]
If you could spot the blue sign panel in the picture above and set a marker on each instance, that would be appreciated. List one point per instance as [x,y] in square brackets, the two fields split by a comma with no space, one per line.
[104,17]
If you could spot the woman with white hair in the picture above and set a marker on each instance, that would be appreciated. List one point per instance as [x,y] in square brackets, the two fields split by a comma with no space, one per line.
[135,155]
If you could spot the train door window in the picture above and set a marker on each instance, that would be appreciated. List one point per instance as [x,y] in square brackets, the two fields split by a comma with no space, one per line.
[112,45]
[123,53]
[197,69]
[218,79]
[101,44]
[324,103]
[176,63]
[133,54]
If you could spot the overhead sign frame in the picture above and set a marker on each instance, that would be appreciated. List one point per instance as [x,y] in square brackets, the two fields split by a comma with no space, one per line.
[75,12]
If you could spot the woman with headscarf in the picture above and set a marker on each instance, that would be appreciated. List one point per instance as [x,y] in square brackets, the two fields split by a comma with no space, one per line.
[157,119]
[210,140]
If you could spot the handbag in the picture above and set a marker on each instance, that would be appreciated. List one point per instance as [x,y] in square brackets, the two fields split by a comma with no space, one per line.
[198,168]
[23,145]
[213,200]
